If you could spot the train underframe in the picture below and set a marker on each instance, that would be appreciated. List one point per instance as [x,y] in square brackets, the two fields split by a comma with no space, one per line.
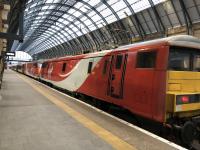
[187,130]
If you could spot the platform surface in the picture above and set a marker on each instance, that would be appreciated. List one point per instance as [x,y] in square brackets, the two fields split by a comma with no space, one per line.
[34,117]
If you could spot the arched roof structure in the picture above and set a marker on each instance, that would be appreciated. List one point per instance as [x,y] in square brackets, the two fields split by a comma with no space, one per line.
[59,27]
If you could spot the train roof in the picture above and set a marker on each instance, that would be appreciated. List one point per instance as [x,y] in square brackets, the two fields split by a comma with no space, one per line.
[178,40]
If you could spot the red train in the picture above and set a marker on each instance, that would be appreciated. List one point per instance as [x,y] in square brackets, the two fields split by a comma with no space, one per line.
[158,79]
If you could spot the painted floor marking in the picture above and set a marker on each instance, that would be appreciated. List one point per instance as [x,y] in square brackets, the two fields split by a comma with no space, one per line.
[107,136]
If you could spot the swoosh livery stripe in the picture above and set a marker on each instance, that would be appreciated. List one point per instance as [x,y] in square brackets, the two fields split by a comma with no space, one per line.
[77,76]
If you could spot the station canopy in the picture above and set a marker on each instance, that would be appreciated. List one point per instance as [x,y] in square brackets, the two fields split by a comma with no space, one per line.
[50,23]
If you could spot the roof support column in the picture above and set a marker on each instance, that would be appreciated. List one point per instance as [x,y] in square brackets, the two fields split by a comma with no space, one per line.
[187,18]
[159,21]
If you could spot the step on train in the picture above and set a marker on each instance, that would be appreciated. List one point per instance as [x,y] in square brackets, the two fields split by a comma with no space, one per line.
[158,80]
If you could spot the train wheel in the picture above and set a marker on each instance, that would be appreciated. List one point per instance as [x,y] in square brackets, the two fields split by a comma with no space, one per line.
[188,132]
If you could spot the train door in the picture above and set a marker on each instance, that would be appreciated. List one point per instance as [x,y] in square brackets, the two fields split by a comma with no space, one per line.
[49,71]
[116,75]
[144,85]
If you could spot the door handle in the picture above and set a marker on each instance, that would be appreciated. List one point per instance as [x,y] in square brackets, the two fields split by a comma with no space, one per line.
[113,76]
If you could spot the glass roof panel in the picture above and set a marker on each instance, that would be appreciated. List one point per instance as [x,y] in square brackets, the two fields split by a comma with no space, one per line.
[101,7]
[79,33]
[78,5]
[139,5]
[111,19]
[93,2]
[67,22]
[92,27]
[92,13]
[49,1]
[158,1]
[77,13]
[71,11]
[84,8]
[46,7]
[60,25]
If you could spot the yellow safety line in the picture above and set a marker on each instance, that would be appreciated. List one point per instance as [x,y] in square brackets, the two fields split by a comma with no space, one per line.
[107,136]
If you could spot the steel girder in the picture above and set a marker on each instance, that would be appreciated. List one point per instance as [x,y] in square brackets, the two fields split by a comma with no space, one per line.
[173,6]
[35,11]
[33,8]
[170,22]
[139,26]
[55,38]
[195,4]
[76,43]
[142,15]
[72,30]
[53,33]
[52,4]
[186,16]
[161,26]
[43,29]
[51,42]
[49,4]
[61,28]
[46,42]
[60,46]
[82,12]
[114,13]
[82,21]
[46,36]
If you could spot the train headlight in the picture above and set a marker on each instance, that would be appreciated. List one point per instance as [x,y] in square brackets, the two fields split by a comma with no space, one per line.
[185,99]
[182,99]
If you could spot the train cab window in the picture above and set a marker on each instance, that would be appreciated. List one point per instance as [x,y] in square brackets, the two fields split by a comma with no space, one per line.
[105,66]
[146,59]
[197,63]
[118,61]
[180,59]
[64,67]
[184,59]
[90,67]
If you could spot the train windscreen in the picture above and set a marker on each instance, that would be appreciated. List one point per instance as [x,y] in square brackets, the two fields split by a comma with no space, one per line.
[184,59]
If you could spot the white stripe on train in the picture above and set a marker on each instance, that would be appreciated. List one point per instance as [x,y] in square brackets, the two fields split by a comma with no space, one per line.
[78,72]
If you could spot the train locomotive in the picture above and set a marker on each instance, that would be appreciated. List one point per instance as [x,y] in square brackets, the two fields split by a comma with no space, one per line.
[158,80]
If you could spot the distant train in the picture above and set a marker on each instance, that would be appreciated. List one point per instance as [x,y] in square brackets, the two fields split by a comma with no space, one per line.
[158,80]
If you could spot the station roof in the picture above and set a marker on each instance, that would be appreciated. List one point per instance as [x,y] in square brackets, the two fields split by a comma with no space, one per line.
[49,23]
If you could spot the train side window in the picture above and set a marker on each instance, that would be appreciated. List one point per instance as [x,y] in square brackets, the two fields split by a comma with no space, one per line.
[90,67]
[105,66]
[146,59]
[118,61]
[64,67]
[44,65]
[35,64]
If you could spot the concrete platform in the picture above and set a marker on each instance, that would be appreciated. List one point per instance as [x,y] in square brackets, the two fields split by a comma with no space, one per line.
[35,117]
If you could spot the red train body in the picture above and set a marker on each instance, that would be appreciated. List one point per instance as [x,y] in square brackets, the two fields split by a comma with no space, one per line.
[136,77]
[139,90]
[115,76]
